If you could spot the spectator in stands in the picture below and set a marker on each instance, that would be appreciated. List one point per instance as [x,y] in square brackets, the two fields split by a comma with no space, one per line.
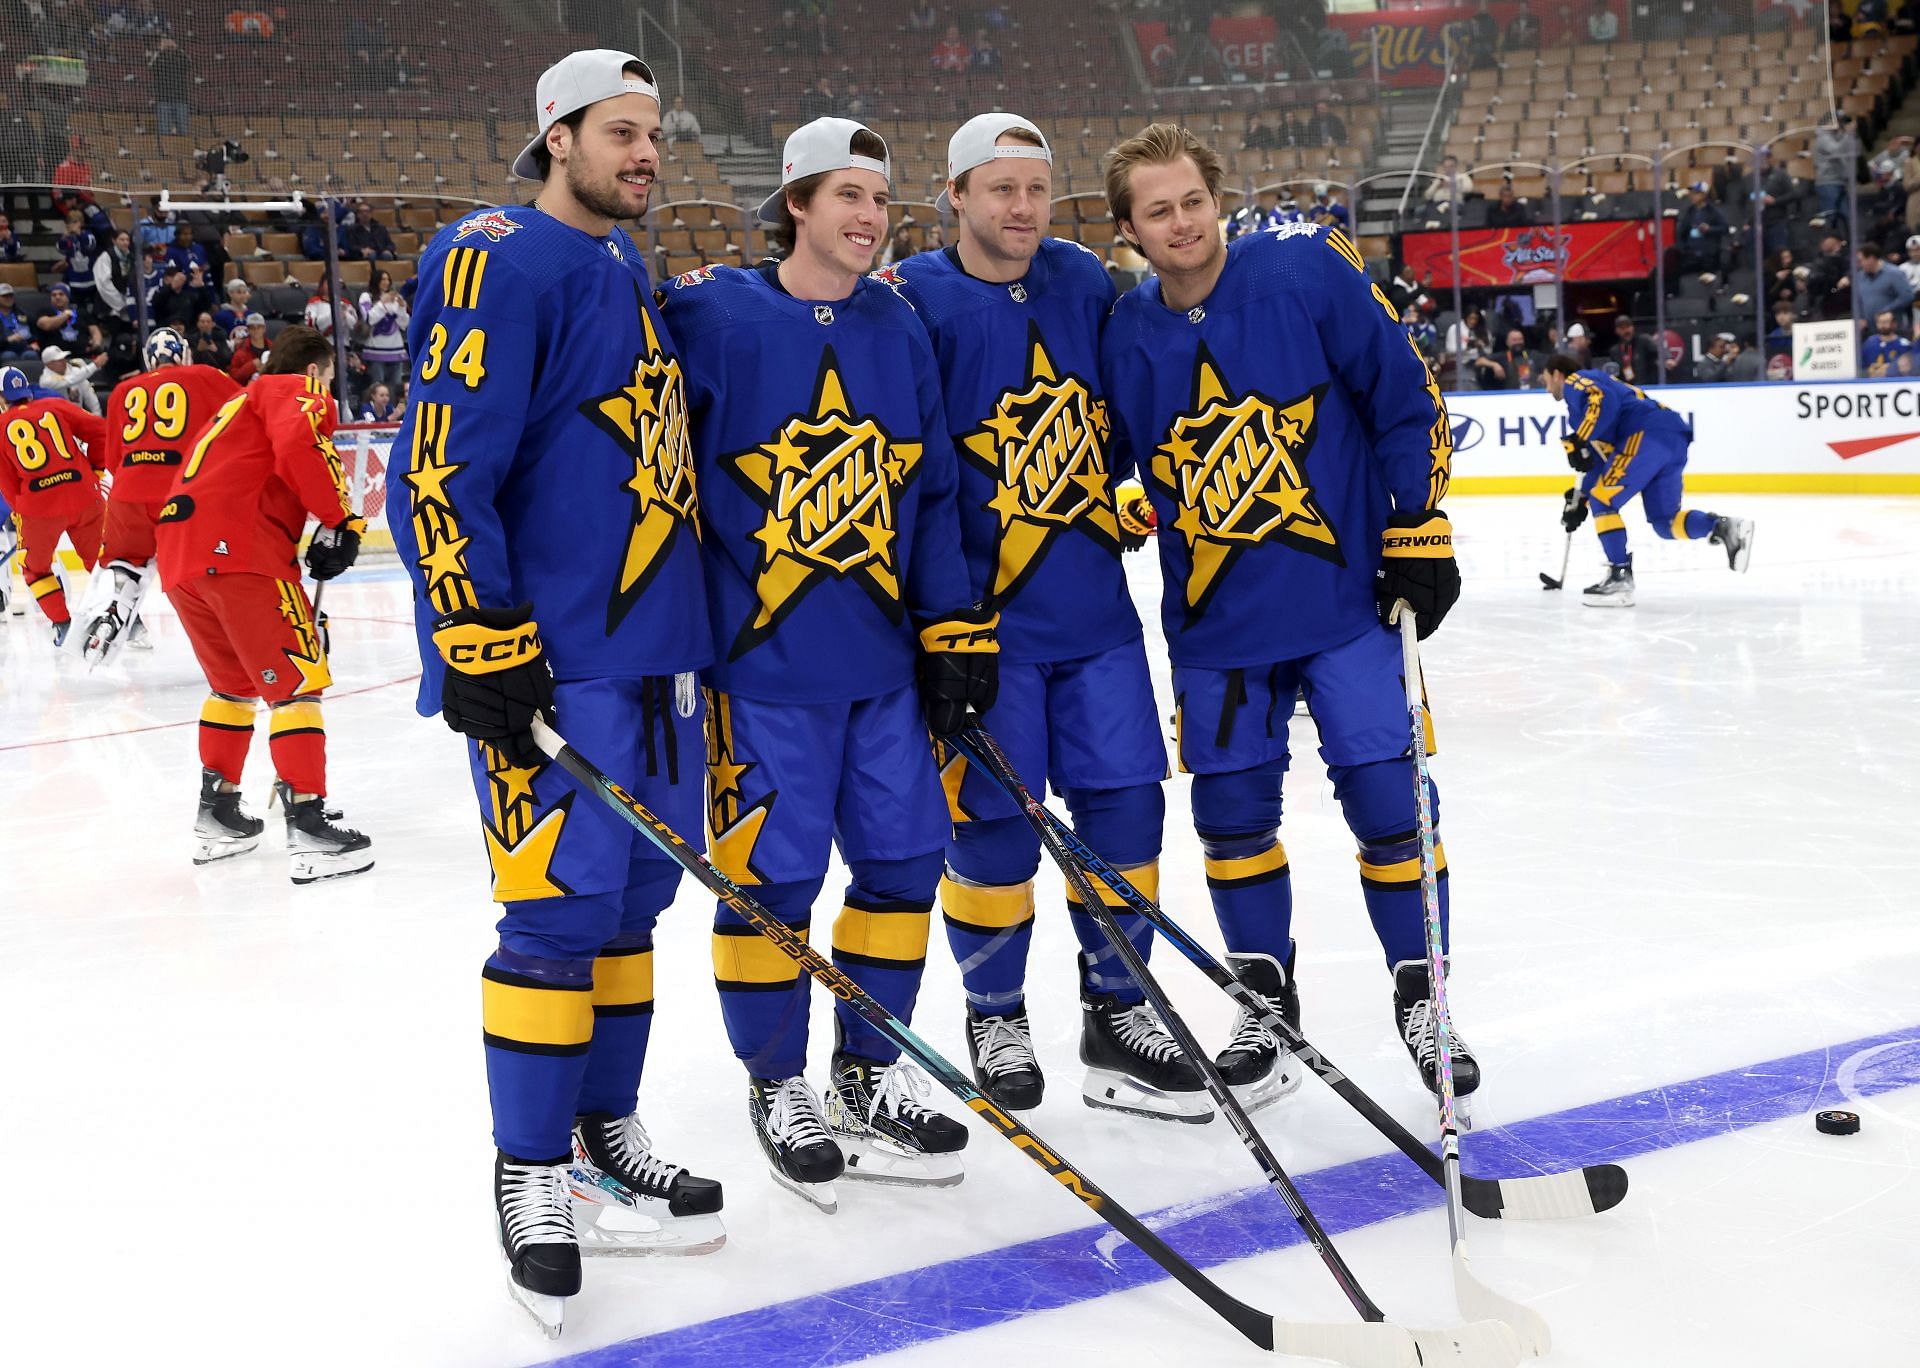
[1776,201]
[1701,233]
[209,344]
[1520,365]
[73,177]
[1328,210]
[69,377]
[1403,290]
[1468,349]
[1257,135]
[1878,287]
[818,102]
[1711,368]
[1484,31]
[385,350]
[820,42]
[1869,18]
[900,245]
[380,406]
[1911,266]
[936,239]
[16,334]
[1827,281]
[1635,353]
[1523,34]
[923,17]
[77,250]
[1885,352]
[1322,128]
[172,88]
[363,237]
[323,311]
[951,53]
[250,352]
[788,36]
[986,57]
[184,252]
[1603,25]
[114,283]
[855,104]
[156,225]
[60,322]
[1779,341]
[233,314]
[1784,275]
[679,124]
[115,351]
[1745,365]
[1452,184]
[1509,211]
[1889,160]
[1333,57]
[178,302]
[1836,155]
[9,244]
[1579,345]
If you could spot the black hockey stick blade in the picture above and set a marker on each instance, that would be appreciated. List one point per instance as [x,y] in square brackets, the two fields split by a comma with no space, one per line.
[1548,581]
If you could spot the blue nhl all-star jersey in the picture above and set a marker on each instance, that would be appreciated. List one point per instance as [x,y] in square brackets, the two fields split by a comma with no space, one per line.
[1276,426]
[1606,411]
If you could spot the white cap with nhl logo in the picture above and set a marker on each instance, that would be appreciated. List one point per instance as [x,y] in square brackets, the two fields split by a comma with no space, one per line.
[823,145]
[575,81]
[977,142]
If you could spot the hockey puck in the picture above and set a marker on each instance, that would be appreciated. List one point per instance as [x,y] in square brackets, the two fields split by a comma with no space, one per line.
[1836,1122]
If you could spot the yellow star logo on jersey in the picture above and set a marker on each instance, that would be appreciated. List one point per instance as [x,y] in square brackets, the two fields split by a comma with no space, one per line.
[306,656]
[1044,445]
[648,417]
[829,480]
[733,825]
[1236,469]
[522,869]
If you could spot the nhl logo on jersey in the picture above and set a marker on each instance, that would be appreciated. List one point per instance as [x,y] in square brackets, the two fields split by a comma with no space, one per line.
[269,677]
[493,225]
[1019,292]
[1237,470]
[614,247]
[823,313]
[1196,314]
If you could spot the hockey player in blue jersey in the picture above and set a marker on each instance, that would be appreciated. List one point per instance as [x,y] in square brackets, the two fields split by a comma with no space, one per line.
[1015,320]
[835,580]
[1625,444]
[1296,452]
[541,495]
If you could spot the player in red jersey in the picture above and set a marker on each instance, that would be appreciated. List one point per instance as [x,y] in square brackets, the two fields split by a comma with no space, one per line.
[152,421]
[226,540]
[51,454]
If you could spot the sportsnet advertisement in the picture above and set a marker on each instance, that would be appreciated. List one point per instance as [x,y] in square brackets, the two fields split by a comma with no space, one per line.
[1529,256]
[1835,437]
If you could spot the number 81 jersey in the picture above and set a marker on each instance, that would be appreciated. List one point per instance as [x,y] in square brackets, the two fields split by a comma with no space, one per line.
[152,422]
[544,456]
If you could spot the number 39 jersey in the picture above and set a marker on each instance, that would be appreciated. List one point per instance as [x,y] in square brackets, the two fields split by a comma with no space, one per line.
[544,455]
[152,423]
[1277,425]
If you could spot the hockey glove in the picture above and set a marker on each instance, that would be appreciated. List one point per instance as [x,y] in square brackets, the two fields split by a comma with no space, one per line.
[1136,516]
[497,679]
[1579,454]
[1416,564]
[959,667]
[1574,511]
[333,550]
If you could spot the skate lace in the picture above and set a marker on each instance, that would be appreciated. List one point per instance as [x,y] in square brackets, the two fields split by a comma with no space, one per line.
[1249,1035]
[534,1205]
[633,1151]
[1004,1044]
[793,1114]
[900,1092]
[1419,1032]
[1140,1031]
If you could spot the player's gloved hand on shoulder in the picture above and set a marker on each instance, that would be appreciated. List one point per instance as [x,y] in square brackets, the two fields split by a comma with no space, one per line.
[333,550]
[1579,454]
[497,679]
[1137,519]
[959,667]
[1573,511]
[1416,564]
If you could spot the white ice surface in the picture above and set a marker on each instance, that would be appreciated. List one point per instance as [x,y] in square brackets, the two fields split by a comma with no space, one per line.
[244,1123]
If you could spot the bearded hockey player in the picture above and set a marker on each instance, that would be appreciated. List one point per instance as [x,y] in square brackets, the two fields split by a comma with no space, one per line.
[1015,320]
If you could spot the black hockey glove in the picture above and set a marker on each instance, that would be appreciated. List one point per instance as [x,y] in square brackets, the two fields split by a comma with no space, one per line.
[1579,454]
[1135,513]
[1574,511]
[1416,564]
[497,679]
[959,667]
[333,550]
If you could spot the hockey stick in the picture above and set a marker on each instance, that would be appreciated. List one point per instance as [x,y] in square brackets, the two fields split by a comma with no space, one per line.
[1550,1196]
[1374,1345]
[1475,1297]
[1479,1342]
[1548,581]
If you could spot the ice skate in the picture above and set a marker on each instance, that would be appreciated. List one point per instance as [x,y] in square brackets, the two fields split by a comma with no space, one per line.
[1736,534]
[627,1201]
[800,1152]
[1001,1050]
[138,637]
[877,1116]
[1254,1065]
[534,1215]
[60,630]
[1615,591]
[1134,1066]
[1413,1014]
[223,828]
[318,848]
[102,633]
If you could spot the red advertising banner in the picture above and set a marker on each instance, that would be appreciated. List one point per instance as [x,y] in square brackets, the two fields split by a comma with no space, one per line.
[1246,46]
[1529,256]
[1414,43]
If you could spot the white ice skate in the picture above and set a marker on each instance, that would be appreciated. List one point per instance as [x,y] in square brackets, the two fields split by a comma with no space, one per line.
[1736,534]
[1615,591]
[1134,1066]
[1253,1064]
[318,848]
[627,1201]
[888,1135]
[223,828]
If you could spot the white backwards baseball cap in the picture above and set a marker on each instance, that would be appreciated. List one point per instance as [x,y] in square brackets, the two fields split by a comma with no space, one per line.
[1577,330]
[977,142]
[576,81]
[48,354]
[823,145]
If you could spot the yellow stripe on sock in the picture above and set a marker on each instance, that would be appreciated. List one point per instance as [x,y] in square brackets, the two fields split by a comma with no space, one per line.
[895,937]
[1679,525]
[303,715]
[623,979]
[1401,871]
[752,959]
[227,712]
[1609,522]
[982,908]
[518,1012]
[43,586]
[1272,860]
